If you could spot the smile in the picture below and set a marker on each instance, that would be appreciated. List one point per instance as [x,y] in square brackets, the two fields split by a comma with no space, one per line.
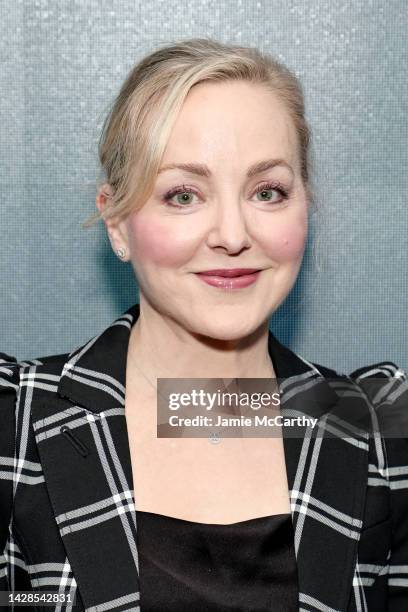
[224,282]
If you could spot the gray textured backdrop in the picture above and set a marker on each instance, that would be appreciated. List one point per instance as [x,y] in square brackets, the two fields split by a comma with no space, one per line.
[62,62]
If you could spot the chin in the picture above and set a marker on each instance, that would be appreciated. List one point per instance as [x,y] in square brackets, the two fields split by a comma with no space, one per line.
[225,330]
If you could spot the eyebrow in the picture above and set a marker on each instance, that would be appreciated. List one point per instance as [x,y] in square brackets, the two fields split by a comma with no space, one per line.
[203,170]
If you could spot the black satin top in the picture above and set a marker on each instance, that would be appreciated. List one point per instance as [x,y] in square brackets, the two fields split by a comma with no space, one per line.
[249,566]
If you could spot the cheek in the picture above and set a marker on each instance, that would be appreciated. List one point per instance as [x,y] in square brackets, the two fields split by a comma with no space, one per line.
[156,243]
[285,241]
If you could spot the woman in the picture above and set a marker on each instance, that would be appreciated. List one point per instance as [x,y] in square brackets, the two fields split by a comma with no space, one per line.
[206,193]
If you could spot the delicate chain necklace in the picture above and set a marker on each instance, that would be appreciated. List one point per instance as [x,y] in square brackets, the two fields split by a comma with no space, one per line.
[214,438]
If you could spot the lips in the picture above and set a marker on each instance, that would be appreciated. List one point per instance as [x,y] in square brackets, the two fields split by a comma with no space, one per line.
[230,280]
[230,273]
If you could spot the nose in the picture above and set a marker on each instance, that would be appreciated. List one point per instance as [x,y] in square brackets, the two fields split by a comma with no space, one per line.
[228,228]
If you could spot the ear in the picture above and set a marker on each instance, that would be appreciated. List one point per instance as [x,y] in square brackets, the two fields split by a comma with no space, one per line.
[117,230]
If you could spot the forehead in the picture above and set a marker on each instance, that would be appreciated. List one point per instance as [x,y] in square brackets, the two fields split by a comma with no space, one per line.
[232,121]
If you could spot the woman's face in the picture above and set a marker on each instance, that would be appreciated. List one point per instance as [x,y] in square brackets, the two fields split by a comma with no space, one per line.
[227,215]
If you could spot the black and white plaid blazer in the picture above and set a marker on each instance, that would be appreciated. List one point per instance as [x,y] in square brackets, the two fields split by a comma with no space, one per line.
[67,509]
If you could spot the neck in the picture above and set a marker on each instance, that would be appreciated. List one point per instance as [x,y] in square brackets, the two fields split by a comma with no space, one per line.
[160,348]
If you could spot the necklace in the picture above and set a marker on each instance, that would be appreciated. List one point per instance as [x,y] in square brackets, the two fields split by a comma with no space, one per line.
[214,437]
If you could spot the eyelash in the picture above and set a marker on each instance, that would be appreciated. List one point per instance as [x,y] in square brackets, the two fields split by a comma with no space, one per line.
[276,186]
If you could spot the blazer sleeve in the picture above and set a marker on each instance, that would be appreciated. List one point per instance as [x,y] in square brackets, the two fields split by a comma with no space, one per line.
[13,570]
[386,385]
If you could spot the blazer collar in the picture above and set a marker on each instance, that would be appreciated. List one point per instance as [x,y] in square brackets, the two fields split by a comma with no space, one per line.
[326,507]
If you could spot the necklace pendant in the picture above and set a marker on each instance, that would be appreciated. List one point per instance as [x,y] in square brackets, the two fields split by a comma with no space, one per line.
[214,438]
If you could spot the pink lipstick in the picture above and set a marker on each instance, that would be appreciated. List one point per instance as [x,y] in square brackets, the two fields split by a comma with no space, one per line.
[236,278]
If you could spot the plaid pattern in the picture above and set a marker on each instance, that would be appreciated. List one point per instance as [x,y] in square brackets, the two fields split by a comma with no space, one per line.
[67,510]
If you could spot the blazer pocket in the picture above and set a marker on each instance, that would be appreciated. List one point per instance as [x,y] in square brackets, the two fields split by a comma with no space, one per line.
[375,544]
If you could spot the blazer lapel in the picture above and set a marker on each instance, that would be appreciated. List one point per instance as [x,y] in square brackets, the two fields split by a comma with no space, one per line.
[327,471]
[83,445]
[82,440]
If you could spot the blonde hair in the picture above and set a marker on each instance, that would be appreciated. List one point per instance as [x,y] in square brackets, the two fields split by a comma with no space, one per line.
[136,130]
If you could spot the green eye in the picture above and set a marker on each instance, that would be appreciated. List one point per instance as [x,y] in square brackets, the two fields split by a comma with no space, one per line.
[268,193]
[182,198]
[183,194]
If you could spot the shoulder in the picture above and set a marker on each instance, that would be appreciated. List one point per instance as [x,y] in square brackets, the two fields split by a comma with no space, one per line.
[9,365]
[384,370]
[18,376]
[9,374]
[384,375]
[18,380]
[384,383]
[22,373]
[383,387]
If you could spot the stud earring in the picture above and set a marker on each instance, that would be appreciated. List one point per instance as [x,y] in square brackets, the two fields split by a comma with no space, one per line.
[121,252]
